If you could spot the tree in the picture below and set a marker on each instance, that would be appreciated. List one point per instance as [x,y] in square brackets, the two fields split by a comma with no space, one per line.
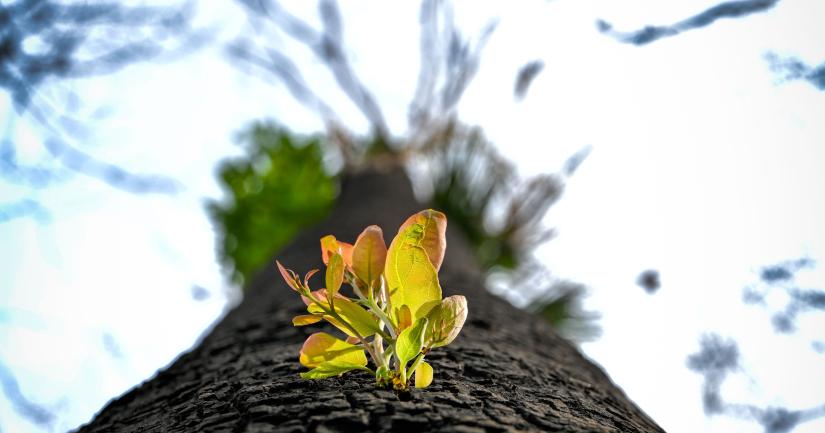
[507,371]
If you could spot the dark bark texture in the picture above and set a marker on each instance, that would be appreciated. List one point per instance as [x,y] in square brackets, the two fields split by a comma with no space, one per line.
[506,372]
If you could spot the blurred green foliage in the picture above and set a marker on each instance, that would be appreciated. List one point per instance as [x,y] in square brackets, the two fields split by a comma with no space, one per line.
[279,187]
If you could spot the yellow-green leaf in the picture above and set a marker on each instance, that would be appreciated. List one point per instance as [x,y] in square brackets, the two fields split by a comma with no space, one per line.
[307,319]
[428,229]
[410,341]
[446,321]
[329,369]
[321,347]
[423,375]
[411,278]
[335,273]
[369,255]
[363,321]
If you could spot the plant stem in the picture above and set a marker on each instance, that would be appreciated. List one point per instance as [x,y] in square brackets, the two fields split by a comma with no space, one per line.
[377,311]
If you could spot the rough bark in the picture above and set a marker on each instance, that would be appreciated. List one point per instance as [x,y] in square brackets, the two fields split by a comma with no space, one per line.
[507,371]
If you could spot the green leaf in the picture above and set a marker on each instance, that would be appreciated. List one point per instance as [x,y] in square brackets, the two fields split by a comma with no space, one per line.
[410,341]
[335,273]
[369,254]
[423,375]
[446,321]
[307,319]
[428,230]
[330,369]
[363,321]
[411,277]
[322,348]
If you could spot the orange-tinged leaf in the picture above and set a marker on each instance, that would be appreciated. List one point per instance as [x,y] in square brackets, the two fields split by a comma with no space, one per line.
[423,375]
[352,340]
[307,319]
[404,318]
[369,255]
[346,252]
[428,229]
[329,244]
[335,273]
[321,348]
[289,276]
[308,276]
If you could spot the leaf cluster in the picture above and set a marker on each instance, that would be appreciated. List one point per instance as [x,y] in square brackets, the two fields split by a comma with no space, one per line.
[279,187]
[396,314]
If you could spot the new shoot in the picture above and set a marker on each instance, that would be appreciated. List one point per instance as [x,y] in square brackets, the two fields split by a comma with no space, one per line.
[394,313]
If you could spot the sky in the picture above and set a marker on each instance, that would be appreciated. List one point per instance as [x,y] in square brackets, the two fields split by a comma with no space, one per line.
[705,166]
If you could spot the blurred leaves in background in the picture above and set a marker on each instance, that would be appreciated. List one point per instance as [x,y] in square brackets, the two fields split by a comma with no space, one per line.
[279,187]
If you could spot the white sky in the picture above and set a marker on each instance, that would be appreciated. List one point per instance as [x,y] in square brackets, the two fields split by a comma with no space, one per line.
[703,167]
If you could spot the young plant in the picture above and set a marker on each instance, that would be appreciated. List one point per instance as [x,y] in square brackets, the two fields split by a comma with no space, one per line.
[395,314]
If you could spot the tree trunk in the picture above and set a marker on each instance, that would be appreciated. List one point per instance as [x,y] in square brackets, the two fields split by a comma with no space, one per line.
[507,370]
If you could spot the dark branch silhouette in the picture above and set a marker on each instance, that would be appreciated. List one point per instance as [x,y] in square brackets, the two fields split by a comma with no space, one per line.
[525,77]
[648,34]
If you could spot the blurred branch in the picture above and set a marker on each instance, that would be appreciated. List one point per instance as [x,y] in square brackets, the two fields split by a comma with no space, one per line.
[35,413]
[42,40]
[284,69]
[525,77]
[791,69]
[448,64]
[23,208]
[48,41]
[12,171]
[648,34]
[113,175]
[326,44]
[718,358]
[781,276]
